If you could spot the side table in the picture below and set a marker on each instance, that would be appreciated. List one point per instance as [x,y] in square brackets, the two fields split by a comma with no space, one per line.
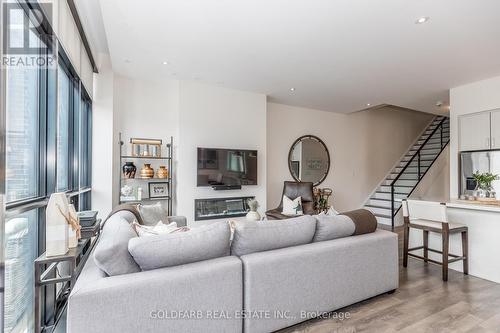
[46,274]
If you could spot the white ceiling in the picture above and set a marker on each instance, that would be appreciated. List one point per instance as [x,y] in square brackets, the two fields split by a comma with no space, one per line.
[339,55]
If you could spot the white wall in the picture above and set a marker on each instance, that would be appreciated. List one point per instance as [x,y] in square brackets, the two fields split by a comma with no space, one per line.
[435,186]
[363,147]
[103,143]
[474,97]
[215,117]
[146,109]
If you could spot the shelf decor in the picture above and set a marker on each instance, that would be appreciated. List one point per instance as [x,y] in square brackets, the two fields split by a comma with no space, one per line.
[146,147]
[146,185]
[147,171]
[158,190]
[129,170]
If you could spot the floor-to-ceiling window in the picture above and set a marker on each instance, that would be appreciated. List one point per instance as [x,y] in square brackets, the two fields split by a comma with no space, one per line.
[48,116]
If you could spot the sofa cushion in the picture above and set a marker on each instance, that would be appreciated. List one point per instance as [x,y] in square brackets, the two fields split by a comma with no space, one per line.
[332,227]
[197,244]
[111,252]
[250,237]
[152,214]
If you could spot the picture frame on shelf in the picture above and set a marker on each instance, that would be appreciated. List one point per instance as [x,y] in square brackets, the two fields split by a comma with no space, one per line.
[158,190]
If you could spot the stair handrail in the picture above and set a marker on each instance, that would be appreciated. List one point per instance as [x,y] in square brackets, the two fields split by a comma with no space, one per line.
[417,153]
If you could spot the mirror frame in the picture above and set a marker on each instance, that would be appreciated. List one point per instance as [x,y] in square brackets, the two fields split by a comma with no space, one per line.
[309,136]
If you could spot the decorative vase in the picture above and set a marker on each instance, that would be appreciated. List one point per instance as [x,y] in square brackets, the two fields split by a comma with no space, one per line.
[147,171]
[129,170]
[73,233]
[253,216]
[56,237]
[162,172]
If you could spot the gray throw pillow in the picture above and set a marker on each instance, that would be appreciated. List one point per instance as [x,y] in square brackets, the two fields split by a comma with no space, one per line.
[333,227]
[152,214]
[250,237]
[111,253]
[178,248]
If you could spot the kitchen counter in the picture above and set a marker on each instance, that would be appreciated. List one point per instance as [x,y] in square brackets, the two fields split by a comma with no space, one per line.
[474,205]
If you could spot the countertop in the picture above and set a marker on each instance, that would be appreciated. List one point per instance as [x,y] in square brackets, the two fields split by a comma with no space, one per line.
[473,205]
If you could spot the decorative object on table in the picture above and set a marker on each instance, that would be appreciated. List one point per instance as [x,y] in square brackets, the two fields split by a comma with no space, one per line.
[158,190]
[321,198]
[91,230]
[146,147]
[253,214]
[309,160]
[292,207]
[147,171]
[129,170]
[56,239]
[139,193]
[162,172]
[87,218]
[483,189]
[74,231]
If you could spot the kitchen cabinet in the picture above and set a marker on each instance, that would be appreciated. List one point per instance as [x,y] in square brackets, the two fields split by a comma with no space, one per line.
[475,131]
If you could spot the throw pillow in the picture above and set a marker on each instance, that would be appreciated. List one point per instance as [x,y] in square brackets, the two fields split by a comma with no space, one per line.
[158,229]
[332,227]
[151,214]
[292,207]
[111,253]
[250,237]
[179,248]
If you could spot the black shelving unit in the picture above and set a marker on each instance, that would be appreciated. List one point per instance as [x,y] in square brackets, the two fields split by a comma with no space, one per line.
[169,164]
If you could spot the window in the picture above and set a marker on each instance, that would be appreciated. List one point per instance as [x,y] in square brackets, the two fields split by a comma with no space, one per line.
[21,249]
[22,151]
[48,140]
[63,111]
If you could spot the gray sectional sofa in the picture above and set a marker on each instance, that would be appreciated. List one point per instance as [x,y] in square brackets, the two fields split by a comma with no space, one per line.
[274,278]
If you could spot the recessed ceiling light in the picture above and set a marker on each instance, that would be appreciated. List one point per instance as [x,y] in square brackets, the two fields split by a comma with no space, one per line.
[422,20]
[368,104]
[292,89]
[165,62]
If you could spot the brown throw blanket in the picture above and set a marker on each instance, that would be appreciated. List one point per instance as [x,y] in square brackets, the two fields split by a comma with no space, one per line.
[129,208]
[364,221]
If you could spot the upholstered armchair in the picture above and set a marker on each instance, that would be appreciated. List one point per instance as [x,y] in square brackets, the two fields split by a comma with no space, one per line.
[294,190]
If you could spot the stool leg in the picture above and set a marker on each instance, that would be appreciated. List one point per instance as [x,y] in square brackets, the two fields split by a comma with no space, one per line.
[405,244]
[465,251]
[425,233]
[446,241]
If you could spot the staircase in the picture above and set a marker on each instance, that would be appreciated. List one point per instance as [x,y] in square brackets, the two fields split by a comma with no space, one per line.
[385,202]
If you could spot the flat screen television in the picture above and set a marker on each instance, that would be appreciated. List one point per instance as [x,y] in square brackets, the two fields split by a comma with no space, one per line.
[226,167]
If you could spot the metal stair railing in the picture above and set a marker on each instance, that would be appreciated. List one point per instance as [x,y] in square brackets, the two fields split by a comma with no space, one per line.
[420,174]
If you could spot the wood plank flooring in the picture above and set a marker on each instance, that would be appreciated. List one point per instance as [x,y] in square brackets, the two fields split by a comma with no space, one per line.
[423,303]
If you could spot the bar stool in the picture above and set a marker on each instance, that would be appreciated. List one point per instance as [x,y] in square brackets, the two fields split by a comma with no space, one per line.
[431,217]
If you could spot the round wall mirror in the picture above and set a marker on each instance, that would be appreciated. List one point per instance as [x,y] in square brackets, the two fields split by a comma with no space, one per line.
[309,160]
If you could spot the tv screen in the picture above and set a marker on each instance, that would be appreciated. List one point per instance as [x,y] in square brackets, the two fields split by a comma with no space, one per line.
[226,167]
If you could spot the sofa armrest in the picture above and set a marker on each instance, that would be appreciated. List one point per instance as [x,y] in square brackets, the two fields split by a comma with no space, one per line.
[196,294]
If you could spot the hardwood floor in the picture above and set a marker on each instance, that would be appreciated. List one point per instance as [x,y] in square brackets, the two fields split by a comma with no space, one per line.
[423,303]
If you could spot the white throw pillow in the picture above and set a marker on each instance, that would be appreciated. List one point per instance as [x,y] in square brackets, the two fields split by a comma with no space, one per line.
[292,207]
[158,229]
[332,212]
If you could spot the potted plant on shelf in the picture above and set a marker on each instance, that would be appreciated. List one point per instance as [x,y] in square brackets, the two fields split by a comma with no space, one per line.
[483,185]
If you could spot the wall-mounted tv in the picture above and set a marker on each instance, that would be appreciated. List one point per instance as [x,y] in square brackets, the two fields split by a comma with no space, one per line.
[226,167]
